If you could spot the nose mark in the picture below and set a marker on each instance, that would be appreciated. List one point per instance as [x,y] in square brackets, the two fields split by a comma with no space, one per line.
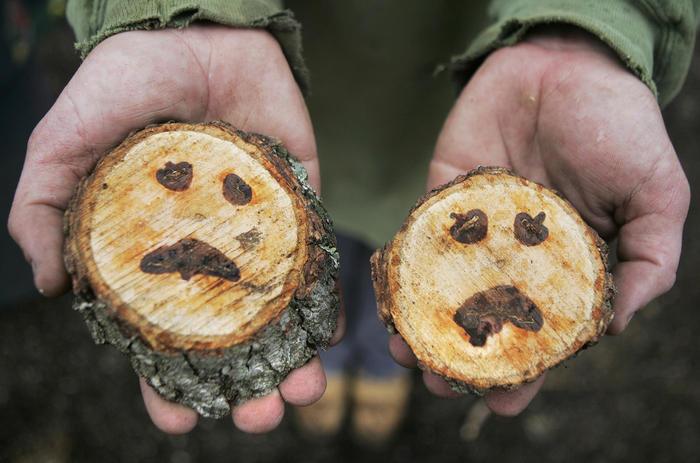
[190,257]
[175,177]
[469,228]
[248,240]
[236,190]
[485,313]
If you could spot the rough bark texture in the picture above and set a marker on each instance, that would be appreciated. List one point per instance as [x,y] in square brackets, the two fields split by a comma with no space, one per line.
[210,377]
[497,335]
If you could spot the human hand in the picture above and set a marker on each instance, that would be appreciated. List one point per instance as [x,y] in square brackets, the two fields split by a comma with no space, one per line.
[560,109]
[138,78]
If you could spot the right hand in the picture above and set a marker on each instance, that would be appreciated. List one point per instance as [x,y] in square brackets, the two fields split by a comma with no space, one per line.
[561,109]
[138,78]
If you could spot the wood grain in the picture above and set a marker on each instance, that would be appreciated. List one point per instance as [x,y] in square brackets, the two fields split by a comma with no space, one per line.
[243,202]
[424,275]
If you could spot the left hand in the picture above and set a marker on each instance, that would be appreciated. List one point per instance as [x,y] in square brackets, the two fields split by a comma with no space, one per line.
[130,80]
[559,108]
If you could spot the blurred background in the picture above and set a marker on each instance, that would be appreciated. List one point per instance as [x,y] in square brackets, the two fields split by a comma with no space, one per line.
[64,399]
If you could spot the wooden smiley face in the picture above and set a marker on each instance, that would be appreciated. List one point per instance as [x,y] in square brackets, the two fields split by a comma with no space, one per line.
[195,234]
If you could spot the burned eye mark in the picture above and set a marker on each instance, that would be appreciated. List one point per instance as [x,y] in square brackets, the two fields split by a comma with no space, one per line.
[175,177]
[236,190]
[470,227]
[529,231]
[190,257]
[485,313]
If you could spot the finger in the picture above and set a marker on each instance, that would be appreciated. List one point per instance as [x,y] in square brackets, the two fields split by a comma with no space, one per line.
[38,230]
[511,403]
[647,267]
[649,249]
[259,415]
[169,417]
[401,352]
[304,385]
[439,386]
[95,111]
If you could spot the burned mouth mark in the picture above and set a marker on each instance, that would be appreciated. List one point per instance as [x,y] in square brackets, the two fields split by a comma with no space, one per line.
[175,177]
[190,257]
[485,313]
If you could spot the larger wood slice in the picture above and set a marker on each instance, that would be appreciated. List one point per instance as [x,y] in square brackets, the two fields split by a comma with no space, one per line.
[492,280]
[202,253]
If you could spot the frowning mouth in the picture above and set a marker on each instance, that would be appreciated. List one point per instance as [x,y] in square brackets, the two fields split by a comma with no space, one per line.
[485,313]
[190,257]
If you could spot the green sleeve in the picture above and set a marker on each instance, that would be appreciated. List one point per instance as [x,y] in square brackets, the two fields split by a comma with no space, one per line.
[654,38]
[95,20]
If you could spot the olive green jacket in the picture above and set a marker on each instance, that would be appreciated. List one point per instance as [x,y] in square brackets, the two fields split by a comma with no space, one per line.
[376,104]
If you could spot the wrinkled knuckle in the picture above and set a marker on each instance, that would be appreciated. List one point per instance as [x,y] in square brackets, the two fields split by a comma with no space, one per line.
[675,189]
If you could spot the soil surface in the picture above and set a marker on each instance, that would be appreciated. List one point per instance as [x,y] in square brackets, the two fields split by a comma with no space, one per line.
[635,397]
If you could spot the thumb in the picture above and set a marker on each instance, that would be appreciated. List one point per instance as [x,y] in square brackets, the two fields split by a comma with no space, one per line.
[649,246]
[103,102]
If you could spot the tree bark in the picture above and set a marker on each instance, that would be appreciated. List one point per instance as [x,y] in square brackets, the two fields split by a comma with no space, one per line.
[492,280]
[201,252]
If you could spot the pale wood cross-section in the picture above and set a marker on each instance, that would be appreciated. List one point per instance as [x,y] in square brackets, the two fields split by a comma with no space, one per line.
[196,238]
[492,280]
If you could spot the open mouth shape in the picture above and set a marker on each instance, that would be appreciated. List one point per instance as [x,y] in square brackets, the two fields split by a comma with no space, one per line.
[485,313]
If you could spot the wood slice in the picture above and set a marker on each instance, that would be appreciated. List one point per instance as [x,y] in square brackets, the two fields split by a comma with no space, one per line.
[201,252]
[492,280]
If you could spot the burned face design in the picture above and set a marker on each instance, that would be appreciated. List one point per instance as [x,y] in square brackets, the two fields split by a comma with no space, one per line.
[196,234]
[489,274]
[191,256]
[485,313]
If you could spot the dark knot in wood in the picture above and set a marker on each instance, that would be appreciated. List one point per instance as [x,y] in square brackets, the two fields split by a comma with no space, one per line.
[484,313]
[190,257]
[529,231]
[175,177]
[469,228]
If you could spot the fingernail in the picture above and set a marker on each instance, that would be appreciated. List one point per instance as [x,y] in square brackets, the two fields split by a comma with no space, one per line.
[629,318]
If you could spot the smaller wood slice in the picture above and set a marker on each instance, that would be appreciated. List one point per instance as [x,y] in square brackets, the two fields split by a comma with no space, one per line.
[492,280]
[202,253]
